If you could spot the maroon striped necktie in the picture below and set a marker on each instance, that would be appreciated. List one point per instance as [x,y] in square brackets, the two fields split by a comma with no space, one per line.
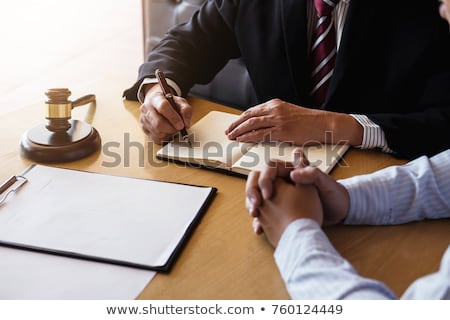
[323,50]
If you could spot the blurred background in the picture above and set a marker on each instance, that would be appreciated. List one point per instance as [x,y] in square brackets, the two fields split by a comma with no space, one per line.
[61,43]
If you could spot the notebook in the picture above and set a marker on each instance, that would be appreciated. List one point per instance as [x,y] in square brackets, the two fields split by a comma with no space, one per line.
[213,150]
[120,220]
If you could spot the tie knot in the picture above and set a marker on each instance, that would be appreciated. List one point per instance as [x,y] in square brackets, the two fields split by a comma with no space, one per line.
[325,7]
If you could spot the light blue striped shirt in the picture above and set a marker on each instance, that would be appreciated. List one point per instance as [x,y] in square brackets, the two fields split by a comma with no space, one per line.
[313,269]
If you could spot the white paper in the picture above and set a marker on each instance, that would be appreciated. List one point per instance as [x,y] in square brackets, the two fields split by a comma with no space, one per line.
[34,276]
[119,218]
[124,219]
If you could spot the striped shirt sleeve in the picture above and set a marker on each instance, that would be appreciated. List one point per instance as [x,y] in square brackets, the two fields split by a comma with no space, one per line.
[400,194]
[373,136]
[313,269]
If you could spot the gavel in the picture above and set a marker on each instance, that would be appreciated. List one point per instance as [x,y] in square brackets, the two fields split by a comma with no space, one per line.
[61,138]
[59,108]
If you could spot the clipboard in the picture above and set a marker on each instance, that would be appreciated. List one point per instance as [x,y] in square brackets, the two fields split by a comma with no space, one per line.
[132,222]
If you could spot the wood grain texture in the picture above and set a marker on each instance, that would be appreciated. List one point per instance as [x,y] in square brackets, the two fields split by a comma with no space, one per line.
[223,259]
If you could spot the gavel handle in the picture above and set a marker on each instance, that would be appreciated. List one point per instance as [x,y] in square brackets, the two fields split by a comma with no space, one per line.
[83,100]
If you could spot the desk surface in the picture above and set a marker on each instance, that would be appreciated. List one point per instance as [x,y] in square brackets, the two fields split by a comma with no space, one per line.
[224,259]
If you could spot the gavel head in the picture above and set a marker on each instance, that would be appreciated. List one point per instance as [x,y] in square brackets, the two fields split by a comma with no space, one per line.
[61,138]
[58,109]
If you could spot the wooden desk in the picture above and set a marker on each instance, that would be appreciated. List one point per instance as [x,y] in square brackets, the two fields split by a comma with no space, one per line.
[224,259]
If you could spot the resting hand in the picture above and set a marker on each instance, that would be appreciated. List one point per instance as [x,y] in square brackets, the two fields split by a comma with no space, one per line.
[159,120]
[334,197]
[260,185]
[288,204]
[277,120]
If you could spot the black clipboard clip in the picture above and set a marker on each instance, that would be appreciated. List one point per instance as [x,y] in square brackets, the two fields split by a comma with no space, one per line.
[11,186]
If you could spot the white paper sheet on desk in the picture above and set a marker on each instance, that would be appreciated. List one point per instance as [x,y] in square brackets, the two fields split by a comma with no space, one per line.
[99,225]
[33,276]
[115,218]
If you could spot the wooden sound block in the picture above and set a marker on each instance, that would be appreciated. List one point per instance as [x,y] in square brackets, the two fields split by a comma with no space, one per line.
[41,145]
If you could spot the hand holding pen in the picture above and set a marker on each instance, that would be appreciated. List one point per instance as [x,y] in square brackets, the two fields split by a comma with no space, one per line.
[159,120]
[169,96]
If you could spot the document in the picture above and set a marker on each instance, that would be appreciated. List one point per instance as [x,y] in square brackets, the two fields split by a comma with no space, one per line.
[104,218]
[212,149]
[26,275]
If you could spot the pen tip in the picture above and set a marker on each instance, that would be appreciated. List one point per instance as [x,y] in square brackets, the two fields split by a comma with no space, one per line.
[187,140]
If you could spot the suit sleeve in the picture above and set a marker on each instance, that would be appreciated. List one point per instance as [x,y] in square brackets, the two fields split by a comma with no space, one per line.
[424,132]
[423,128]
[194,52]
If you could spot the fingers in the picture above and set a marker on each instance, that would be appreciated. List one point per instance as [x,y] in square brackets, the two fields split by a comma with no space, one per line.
[164,110]
[247,114]
[300,159]
[155,126]
[185,111]
[259,187]
[257,227]
[274,169]
[306,175]
[334,197]
[311,175]
[254,134]
[253,199]
[280,169]
[158,118]
[253,130]
[246,127]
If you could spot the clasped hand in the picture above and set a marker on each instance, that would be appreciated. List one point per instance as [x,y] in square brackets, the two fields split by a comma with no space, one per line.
[284,192]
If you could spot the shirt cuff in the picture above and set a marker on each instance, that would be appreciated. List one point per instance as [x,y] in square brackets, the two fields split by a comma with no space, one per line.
[373,136]
[141,93]
[363,208]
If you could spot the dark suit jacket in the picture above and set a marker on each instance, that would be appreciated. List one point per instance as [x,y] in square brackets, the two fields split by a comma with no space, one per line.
[393,62]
